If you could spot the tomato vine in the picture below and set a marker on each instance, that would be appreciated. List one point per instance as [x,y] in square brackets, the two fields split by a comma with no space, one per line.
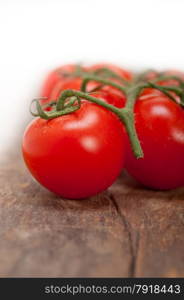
[131,90]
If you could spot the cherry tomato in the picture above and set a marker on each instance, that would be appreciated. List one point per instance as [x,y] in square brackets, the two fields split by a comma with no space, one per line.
[160,127]
[58,75]
[77,155]
[153,75]
[167,82]
[172,82]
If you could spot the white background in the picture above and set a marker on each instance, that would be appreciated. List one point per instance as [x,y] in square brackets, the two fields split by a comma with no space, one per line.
[37,35]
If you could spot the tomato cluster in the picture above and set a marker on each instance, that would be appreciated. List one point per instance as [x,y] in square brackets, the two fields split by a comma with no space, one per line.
[77,148]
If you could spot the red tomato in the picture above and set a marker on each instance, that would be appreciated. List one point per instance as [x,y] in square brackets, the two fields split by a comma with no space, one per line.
[172,81]
[58,75]
[148,92]
[169,82]
[160,127]
[77,155]
[153,75]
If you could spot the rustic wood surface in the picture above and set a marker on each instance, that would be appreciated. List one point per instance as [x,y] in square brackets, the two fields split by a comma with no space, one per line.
[127,231]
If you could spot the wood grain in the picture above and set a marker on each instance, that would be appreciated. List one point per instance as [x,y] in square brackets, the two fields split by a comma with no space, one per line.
[127,231]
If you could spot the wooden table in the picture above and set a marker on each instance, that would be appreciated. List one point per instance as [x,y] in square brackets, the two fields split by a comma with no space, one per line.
[127,231]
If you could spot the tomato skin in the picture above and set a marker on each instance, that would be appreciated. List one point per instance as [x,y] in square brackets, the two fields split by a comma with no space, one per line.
[54,77]
[111,98]
[160,127]
[76,155]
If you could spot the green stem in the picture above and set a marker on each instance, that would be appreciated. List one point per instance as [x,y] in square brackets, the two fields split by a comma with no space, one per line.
[70,93]
[103,72]
[165,90]
[132,94]
[101,80]
[66,109]
[125,115]
[142,76]
[109,73]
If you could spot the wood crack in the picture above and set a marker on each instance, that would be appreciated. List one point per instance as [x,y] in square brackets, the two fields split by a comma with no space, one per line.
[133,241]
